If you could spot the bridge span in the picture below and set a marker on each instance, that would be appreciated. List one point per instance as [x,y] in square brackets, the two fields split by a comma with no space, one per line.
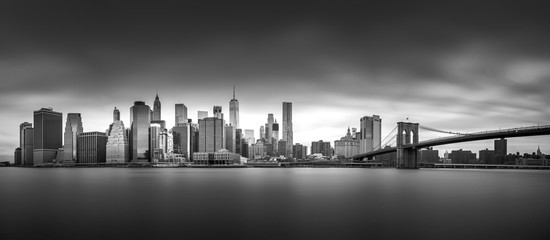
[407,148]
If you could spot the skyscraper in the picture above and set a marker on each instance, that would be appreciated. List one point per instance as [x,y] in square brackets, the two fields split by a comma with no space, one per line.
[73,128]
[183,137]
[22,140]
[234,110]
[117,141]
[27,144]
[181,114]
[154,142]
[501,149]
[371,133]
[287,128]
[218,112]
[229,135]
[156,109]
[249,136]
[48,135]
[262,132]
[91,147]
[269,128]
[211,131]
[140,121]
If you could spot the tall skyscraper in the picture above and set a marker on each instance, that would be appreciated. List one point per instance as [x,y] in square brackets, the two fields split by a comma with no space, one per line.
[140,121]
[181,114]
[269,128]
[48,135]
[371,133]
[211,134]
[275,136]
[156,109]
[234,110]
[117,141]
[229,135]
[287,128]
[262,132]
[154,142]
[218,112]
[183,139]
[21,140]
[238,141]
[92,147]
[501,150]
[73,128]
[202,115]
[27,145]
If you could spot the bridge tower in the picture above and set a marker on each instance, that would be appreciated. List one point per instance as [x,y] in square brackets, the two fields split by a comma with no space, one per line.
[407,138]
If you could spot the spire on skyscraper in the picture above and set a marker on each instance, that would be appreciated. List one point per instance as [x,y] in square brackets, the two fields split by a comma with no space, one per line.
[233,91]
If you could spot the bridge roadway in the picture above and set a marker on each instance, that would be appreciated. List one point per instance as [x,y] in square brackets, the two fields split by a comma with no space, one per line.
[477,136]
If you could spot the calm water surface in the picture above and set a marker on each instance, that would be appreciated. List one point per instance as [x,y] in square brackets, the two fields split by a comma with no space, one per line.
[110,203]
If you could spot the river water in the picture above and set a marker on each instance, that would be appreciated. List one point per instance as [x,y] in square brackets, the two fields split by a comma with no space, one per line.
[296,203]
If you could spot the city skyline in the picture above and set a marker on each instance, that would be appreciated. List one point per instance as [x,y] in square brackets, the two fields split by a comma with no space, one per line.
[454,66]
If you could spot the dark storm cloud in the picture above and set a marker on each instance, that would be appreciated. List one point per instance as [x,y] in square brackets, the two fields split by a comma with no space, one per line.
[441,58]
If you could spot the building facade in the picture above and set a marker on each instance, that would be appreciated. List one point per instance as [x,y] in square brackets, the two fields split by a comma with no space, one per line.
[211,135]
[117,150]
[181,114]
[73,128]
[230,137]
[27,149]
[322,148]
[22,141]
[139,134]
[92,147]
[462,157]
[234,110]
[371,133]
[156,109]
[346,147]
[48,135]
[288,135]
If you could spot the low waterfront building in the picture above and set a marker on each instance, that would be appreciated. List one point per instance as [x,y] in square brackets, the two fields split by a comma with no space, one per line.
[222,157]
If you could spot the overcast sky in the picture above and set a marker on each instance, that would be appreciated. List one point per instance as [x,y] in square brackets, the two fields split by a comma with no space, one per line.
[453,65]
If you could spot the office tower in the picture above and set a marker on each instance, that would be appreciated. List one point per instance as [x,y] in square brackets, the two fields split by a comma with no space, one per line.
[73,128]
[139,134]
[185,139]
[92,147]
[262,132]
[17,156]
[322,148]
[281,147]
[117,141]
[202,115]
[230,138]
[48,135]
[501,150]
[269,127]
[211,131]
[275,135]
[154,142]
[27,145]
[371,133]
[181,114]
[163,144]
[238,141]
[287,128]
[234,110]
[346,147]
[156,109]
[21,141]
[249,136]
[244,149]
[116,115]
[218,112]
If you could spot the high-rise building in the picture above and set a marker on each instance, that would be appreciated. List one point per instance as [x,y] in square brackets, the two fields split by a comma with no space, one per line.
[262,132]
[48,135]
[487,156]
[218,112]
[281,147]
[17,157]
[501,150]
[269,128]
[321,147]
[154,142]
[73,128]
[156,109]
[299,151]
[21,140]
[371,133]
[202,115]
[117,141]
[92,147]
[275,136]
[27,145]
[249,136]
[238,141]
[234,110]
[211,131]
[181,114]
[183,139]
[230,138]
[346,147]
[139,134]
[287,127]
